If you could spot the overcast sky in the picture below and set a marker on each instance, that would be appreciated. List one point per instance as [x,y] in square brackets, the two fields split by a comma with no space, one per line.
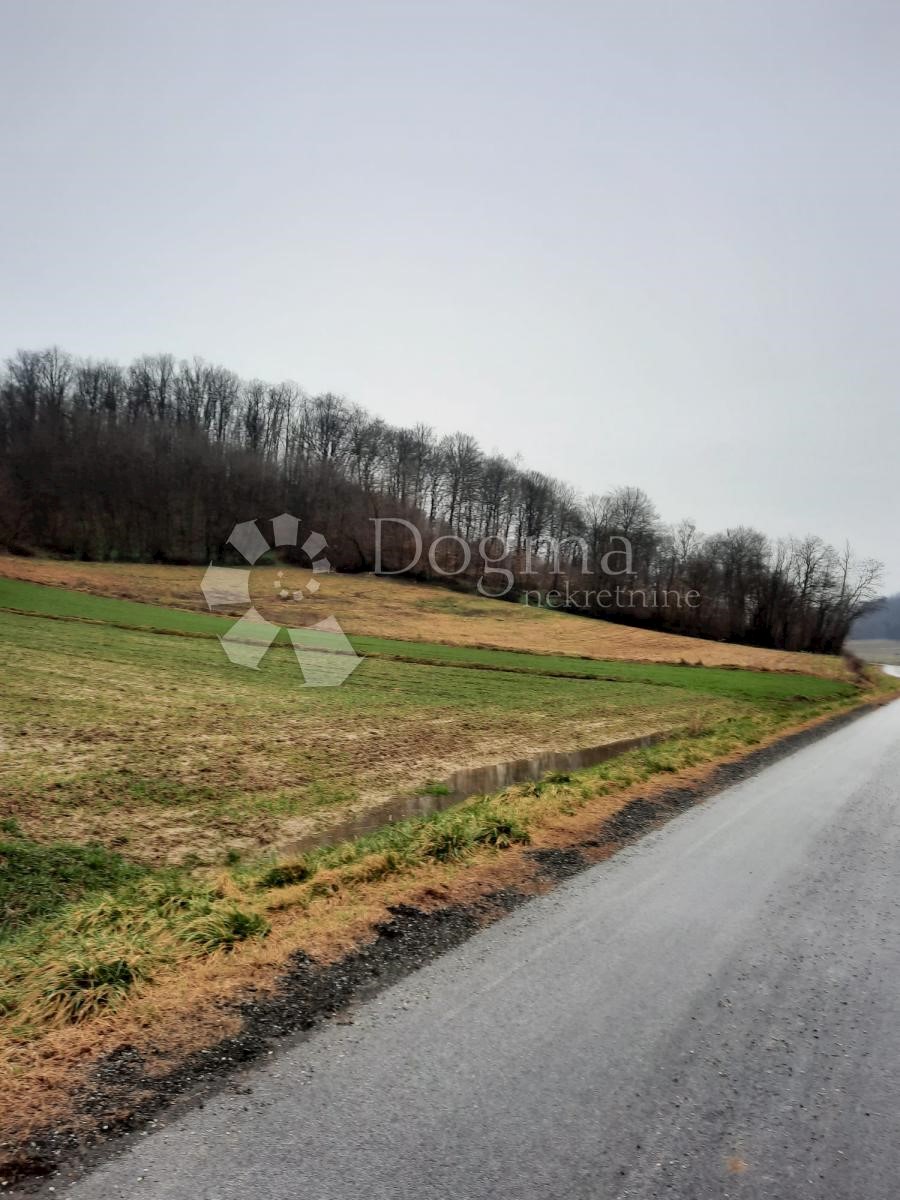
[648,243]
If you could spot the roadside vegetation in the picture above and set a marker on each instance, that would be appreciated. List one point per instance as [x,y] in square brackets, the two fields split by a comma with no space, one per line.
[112,926]
[151,790]
[137,763]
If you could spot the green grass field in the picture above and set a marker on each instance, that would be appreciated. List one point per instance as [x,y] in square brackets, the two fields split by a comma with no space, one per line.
[134,757]
[120,729]
[81,606]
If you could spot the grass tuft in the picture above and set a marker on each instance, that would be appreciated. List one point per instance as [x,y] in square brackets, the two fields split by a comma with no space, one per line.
[501,827]
[449,837]
[287,873]
[85,982]
[223,928]
[434,788]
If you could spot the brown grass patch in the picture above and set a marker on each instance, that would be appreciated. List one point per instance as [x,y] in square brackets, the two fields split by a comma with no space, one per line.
[382,607]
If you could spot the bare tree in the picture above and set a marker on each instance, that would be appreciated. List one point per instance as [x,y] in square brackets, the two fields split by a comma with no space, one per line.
[158,459]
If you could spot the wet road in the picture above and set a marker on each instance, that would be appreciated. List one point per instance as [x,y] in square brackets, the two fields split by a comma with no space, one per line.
[713,1013]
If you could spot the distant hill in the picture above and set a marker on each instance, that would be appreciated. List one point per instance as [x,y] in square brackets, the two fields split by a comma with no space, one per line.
[883,623]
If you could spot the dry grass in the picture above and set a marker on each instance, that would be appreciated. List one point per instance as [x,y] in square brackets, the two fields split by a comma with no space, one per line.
[382,607]
[159,748]
[186,1006]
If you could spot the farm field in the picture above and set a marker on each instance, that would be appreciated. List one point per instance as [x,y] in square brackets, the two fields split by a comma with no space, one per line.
[150,788]
[876,650]
[377,606]
[119,728]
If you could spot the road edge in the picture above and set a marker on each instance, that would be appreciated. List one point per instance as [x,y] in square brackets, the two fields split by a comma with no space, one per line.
[125,1098]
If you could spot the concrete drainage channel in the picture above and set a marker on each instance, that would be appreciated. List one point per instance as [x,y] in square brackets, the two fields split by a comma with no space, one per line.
[467,783]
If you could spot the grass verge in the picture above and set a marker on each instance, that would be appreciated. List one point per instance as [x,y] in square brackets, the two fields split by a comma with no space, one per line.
[326,906]
[100,930]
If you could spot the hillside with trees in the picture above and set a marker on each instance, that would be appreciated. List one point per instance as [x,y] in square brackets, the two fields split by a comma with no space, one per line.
[157,460]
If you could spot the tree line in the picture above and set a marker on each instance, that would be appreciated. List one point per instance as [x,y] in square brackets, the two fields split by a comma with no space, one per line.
[158,459]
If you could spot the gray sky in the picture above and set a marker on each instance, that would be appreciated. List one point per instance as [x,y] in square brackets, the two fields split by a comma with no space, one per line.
[650,243]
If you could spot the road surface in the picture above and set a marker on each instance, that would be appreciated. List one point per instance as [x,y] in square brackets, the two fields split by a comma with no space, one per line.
[715,1012]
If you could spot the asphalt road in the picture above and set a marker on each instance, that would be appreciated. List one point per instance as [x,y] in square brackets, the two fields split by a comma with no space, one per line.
[715,1012]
